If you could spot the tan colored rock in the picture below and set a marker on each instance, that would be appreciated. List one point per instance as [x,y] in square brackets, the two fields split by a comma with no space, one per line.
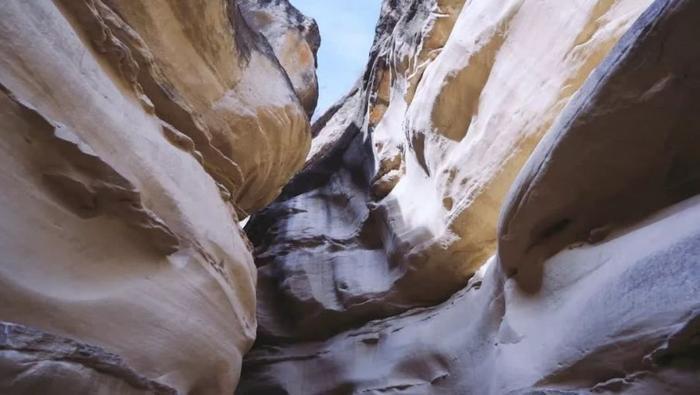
[608,302]
[217,83]
[455,99]
[641,154]
[503,80]
[131,134]
[294,38]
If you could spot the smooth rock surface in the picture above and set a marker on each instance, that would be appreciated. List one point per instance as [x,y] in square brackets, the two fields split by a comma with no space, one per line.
[506,203]
[586,284]
[404,209]
[617,317]
[648,89]
[294,38]
[133,135]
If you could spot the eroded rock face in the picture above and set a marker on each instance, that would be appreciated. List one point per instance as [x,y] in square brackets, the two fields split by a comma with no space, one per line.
[367,260]
[412,191]
[294,39]
[134,136]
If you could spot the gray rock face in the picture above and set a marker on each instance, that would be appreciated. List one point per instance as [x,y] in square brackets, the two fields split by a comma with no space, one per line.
[33,362]
[384,267]
[508,202]
[610,317]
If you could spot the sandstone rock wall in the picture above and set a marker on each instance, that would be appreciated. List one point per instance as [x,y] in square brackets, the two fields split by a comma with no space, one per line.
[506,204]
[416,196]
[135,135]
[294,38]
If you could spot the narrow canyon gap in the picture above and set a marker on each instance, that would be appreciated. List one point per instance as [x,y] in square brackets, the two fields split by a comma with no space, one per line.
[506,203]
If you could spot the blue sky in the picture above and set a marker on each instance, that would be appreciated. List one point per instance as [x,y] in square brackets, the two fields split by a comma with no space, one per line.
[347,31]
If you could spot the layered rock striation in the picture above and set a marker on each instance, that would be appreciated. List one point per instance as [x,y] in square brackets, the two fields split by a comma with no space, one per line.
[135,135]
[507,203]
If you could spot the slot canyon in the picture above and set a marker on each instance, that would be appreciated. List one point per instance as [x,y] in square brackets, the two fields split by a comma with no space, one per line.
[507,202]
